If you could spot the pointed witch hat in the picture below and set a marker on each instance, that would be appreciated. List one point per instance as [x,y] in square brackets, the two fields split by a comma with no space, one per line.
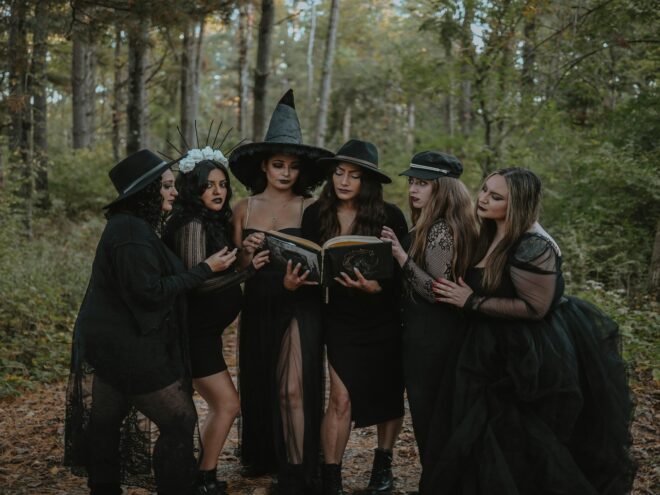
[283,137]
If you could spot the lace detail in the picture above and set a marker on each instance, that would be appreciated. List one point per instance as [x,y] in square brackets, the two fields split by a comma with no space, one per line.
[437,261]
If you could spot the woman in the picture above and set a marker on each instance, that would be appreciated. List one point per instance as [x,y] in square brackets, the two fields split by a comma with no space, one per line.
[440,244]
[128,344]
[362,322]
[540,399]
[280,353]
[201,225]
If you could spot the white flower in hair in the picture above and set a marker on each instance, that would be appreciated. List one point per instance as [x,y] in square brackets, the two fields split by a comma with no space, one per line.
[186,164]
[196,155]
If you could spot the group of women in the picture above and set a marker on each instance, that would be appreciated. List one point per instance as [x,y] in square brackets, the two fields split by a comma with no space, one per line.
[513,387]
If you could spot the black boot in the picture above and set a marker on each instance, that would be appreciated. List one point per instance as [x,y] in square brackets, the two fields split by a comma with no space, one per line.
[207,484]
[331,474]
[291,480]
[381,481]
[105,489]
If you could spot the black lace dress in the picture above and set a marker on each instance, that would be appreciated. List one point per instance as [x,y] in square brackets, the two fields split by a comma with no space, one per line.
[430,329]
[274,355]
[540,402]
[129,364]
[363,335]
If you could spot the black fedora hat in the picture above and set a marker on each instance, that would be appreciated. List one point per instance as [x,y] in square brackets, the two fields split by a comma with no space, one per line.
[361,153]
[135,172]
[284,136]
[429,165]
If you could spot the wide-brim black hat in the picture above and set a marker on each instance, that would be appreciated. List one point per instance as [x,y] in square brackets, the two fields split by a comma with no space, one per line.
[284,136]
[430,165]
[135,172]
[361,153]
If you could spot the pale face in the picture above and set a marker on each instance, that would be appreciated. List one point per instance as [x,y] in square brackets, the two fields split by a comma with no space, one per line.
[420,192]
[347,181]
[282,171]
[215,193]
[167,191]
[493,199]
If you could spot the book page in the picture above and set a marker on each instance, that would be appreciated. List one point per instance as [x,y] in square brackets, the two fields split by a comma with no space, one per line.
[350,240]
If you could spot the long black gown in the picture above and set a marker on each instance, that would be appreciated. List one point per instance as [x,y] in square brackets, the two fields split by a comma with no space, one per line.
[363,336]
[540,397]
[267,364]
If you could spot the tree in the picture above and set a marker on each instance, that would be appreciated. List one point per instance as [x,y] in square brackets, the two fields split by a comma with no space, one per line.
[40,106]
[191,56]
[326,78]
[245,26]
[138,42]
[262,70]
[83,84]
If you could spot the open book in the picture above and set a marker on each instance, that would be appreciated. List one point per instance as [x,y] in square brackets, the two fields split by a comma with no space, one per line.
[370,255]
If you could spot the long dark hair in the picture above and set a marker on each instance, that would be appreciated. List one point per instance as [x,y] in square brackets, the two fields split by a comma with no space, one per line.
[522,211]
[146,204]
[370,216]
[303,185]
[189,206]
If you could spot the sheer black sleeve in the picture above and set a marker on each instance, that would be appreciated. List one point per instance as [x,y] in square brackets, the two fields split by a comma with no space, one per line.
[438,257]
[533,271]
[190,243]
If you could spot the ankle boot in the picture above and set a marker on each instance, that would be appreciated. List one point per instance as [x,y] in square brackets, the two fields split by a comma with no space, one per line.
[291,480]
[331,474]
[207,484]
[105,489]
[381,481]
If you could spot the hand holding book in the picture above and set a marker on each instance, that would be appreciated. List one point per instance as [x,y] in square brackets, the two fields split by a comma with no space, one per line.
[369,286]
[293,279]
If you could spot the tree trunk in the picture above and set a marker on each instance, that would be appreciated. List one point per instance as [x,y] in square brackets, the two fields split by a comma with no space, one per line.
[326,77]
[262,70]
[245,26]
[467,54]
[410,127]
[83,71]
[448,103]
[190,66]
[40,110]
[654,270]
[346,128]
[118,100]
[138,40]
[310,64]
[528,55]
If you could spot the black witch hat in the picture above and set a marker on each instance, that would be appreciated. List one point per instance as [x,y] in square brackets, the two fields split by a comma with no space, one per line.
[283,136]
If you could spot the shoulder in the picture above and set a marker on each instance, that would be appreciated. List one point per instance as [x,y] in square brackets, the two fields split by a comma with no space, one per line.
[534,247]
[129,228]
[440,229]
[240,207]
[307,202]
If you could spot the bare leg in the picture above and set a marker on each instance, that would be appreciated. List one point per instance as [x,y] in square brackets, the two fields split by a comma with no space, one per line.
[220,394]
[388,432]
[336,426]
[290,379]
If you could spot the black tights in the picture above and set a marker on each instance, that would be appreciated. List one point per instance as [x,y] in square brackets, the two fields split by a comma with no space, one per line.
[171,409]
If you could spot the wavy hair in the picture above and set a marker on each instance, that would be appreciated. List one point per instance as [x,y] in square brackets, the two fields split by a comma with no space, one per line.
[523,208]
[145,204]
[189,206]
[370,216]
[450,200]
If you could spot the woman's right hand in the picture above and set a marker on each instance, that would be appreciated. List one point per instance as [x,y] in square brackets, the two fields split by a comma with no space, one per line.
[293,280]
[253,242]
[398,253]
[221,260]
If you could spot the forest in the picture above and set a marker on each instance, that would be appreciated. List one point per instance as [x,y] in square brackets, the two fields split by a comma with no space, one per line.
[566,88]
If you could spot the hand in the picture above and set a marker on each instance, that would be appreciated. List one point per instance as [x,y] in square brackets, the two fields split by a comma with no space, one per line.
[253,242]
[221,260]
[388,235]
[451,292]
[292,279]
[368,286]
[260,259]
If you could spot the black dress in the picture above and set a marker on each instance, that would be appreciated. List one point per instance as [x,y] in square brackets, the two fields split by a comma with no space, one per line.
[363,335]
[268,360]
[430,329]
[216,303]
[540,397]
[129,349]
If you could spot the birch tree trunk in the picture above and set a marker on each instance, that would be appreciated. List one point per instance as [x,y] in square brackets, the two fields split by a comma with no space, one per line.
[190,66]
[40,109]
[346,127]
[118,100]
[410,127]
[326,78]
[138,39]
[83,71]
[262,71]
[245,26]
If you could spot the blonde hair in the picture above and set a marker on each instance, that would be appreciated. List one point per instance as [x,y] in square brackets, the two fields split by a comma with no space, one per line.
[522,211]
[450,200]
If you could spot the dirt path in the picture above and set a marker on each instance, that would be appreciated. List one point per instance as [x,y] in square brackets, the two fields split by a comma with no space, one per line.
[31,429]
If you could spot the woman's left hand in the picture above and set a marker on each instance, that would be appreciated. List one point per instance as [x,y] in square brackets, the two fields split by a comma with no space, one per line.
[368,286]
[253,242]
[452,293]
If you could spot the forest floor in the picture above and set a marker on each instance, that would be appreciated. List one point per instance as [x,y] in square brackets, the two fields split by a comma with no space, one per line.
[32,426]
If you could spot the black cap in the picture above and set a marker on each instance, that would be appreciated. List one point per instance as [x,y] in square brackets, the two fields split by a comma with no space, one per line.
[429,165]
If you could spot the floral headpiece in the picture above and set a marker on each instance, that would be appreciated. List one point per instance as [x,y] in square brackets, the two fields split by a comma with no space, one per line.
[192,156]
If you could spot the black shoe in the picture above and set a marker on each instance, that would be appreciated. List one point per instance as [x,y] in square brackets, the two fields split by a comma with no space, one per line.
[290,480]
[381,481]
[105,489]
[207,484]
[254,471]
[331,474]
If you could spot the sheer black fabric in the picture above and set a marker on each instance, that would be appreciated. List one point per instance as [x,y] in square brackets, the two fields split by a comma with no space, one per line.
[430,329]
[130,336]
[540,402]
[281,373]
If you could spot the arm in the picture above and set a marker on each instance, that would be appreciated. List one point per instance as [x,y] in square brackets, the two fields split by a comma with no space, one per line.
[438,257]
[238,216]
